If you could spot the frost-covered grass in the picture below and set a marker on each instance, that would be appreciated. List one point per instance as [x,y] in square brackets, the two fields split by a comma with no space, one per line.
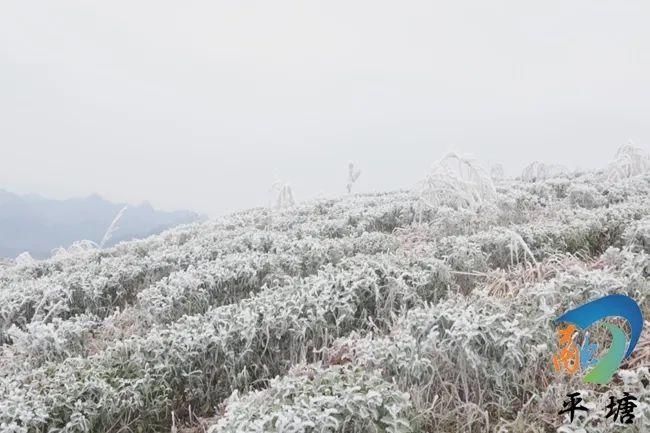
[394,312]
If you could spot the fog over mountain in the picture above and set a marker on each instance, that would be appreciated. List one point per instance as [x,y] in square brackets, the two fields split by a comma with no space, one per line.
[218,98]
[38,225]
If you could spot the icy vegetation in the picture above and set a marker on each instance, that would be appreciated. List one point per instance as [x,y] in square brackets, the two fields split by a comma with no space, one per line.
[410,311]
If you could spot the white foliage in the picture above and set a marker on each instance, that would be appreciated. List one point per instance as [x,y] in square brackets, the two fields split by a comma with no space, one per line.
[539,171]
[284,195]
[338,315]
[516,245]
[340,398]
[78,247]
[24,259]
[59,253]
[629,161]
[497,172]
[583,195]
[457,182]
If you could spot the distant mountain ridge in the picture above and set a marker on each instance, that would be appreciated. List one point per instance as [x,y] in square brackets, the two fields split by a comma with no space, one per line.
[38,225]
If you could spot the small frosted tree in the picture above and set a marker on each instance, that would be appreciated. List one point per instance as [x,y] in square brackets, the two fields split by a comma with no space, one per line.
[284,195]
[457,182]
[24,259]
[353,175]
[629,161]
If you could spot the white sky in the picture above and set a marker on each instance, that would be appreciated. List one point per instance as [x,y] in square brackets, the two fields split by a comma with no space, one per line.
[199,104]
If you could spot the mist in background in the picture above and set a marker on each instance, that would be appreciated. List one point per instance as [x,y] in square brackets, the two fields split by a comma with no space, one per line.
[38,226]
[202,104]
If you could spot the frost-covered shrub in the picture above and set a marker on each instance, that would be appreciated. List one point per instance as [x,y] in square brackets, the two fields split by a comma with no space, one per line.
[337,399]
[284,196]
[41,342]
[517,207]
[457,358]
[79,247]
[457,182]
[471,363]
[584,196]
[638,235]
[629,189]
[453,222]
[201,359]
[581,231]
[237,276]
[96,290]
[24,259]
[388,218]
[504,247]
[539,171]
[466,259]
[560,186]
[629,161]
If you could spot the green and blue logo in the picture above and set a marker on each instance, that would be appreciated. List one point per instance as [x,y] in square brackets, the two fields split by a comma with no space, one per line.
[572,358]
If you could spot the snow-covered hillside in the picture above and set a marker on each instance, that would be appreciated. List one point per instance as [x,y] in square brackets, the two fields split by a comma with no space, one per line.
[369,313]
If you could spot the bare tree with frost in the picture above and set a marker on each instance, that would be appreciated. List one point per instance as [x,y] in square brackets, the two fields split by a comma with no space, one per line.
[353,175]
[284,195]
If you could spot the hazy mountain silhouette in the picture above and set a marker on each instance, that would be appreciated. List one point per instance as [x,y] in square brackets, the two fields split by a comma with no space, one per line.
[38,225]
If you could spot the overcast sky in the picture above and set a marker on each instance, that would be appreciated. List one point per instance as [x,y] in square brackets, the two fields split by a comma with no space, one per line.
[201,104]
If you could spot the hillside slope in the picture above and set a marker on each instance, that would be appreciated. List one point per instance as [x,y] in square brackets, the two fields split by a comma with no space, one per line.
[369,313]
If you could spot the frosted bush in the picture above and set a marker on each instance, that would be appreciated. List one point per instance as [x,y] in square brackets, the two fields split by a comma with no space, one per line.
[466,361]
[41,342]
[284,195]
[539,171]
[629,161]
[638,235]
[584,196]
[451,222]
[81,247]
[337,399]
[560,186]
[206,357]
[457,182]
[24,259]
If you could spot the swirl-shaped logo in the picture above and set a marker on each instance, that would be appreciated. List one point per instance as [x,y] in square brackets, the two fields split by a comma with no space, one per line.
[601,370]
